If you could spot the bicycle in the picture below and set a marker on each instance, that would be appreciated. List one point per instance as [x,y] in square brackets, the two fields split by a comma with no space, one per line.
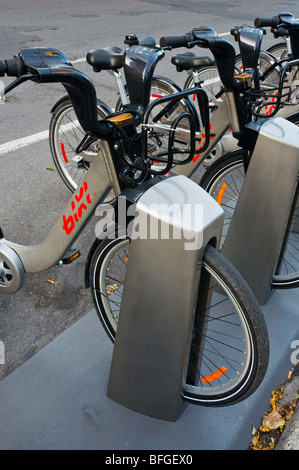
[284,25]
[224,180]
[65,132]
[235,110]
[269,72]
[127,166]
[277,23]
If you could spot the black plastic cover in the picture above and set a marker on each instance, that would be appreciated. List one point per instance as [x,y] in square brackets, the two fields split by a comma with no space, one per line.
[139,66]
[250,40]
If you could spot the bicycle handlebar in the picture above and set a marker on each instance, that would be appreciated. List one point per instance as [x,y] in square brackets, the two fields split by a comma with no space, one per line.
[222,50]
[279,31]
[176,41]
[285,19]
[12,67]
[51,66]
[261,22]
[2,68]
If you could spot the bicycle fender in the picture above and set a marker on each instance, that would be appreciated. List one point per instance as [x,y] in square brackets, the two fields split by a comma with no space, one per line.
[168,80]
[88,261]
[110,232]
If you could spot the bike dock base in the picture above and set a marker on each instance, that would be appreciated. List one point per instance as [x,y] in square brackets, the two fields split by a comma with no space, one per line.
[151,350]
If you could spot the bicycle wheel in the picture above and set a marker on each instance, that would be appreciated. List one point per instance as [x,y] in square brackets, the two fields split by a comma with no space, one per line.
[291,75]
[229,350]
[279,50]
[266,59]
[65,134]
[223,181]
[212,85]
[159,133]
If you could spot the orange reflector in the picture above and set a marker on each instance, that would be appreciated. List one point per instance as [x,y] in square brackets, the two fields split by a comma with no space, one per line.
[214,376]
[126,258]
[122,119]
[221,193]
[74,256]
[243,77]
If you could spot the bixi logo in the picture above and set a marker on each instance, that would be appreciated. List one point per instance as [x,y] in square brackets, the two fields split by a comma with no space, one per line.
[2,353]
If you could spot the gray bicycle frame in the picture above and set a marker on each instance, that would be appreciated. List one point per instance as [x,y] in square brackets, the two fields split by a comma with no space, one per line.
[96,184]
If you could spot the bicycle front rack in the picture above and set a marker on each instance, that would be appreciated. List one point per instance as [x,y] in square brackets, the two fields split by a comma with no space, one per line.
[178,132]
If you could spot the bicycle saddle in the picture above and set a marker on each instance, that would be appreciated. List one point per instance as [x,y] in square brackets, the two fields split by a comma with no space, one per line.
[109,58]
[189,61]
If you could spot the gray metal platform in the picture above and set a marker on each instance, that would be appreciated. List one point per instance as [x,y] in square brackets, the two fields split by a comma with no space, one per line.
[57,399]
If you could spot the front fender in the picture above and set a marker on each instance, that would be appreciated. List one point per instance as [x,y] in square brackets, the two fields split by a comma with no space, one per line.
[88,261]
[111,232]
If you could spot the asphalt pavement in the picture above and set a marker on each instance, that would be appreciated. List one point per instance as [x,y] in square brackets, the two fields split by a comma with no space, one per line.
[32,195]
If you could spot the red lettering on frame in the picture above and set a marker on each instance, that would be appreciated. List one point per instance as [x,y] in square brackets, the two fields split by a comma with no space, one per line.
[69,222]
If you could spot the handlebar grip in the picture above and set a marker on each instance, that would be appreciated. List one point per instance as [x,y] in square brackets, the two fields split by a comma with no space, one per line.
[261,22]
[12,67]
[174,41]
[16,67]
[2,68]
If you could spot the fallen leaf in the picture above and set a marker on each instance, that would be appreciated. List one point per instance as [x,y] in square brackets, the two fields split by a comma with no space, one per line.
[50,168]
[273,420]
[112,288]
[276,395]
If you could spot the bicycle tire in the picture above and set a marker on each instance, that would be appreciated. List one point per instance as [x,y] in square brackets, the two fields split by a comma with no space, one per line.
[265,60]
[279,50]
[212,85]
[223,181]
[65,134]
[211,82]
[242,369]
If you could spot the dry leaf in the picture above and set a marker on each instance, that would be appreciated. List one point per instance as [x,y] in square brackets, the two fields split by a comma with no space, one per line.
[112,288]
[273,420]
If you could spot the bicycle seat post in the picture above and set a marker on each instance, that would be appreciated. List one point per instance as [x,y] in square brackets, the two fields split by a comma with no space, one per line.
[121,87]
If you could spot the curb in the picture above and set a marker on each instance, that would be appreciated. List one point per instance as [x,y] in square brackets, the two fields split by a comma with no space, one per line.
[290,436]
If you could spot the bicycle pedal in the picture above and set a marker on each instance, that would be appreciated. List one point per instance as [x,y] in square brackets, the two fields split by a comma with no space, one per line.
[77,161]
[71,256]
[151,148]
